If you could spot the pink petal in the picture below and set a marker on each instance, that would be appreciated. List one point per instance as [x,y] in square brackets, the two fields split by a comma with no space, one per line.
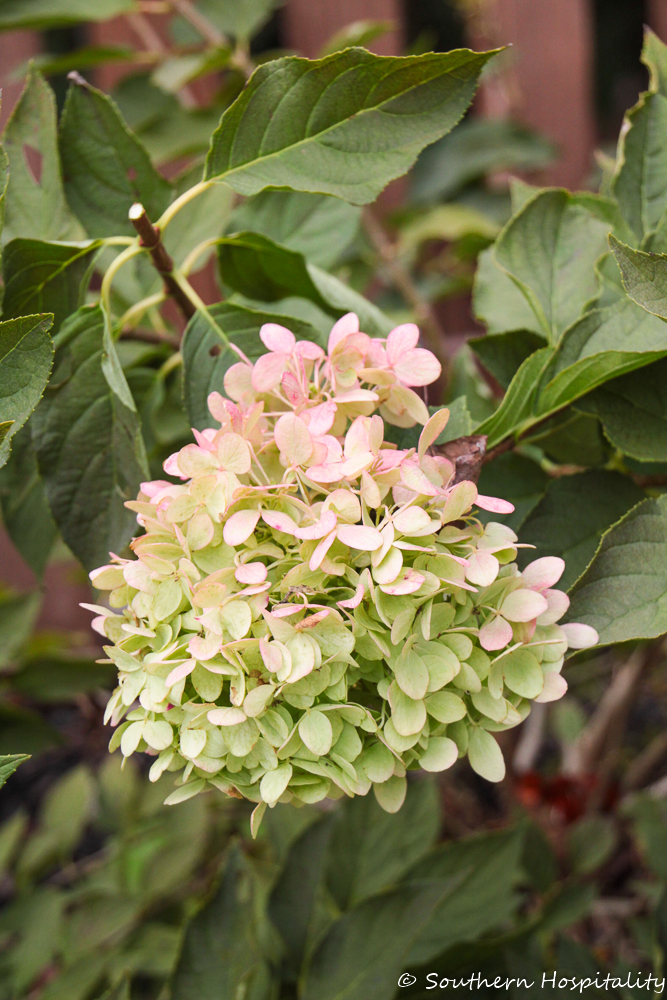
[408,583]
[254,572]
[357,396]
[277,338]
[418,367]
[179,672]
[433,428]
[238,380]
[413,477]
[580,636]
[356,439]
[309,351]
[326,473]
[321,551]
[226,716]
[482,569]
[204,647]
[412,520]
[279,521]
[354,602]
[494,504]
[292,389]
[170,466]
[555,686]
[402,339]
[240,526]
[321,528]
[342,328]
[558,604]
[293,439]
[544,572]
[267,372]
[156,486]
[495,634]
[313,620]
[359,536]
[271,655]
[320,419]
[523,605]
[286,610]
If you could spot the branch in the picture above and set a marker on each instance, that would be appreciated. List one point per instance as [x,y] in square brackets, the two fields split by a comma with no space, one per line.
[401,277]
[239,59]
[149,237]
[148,337]
[154,44]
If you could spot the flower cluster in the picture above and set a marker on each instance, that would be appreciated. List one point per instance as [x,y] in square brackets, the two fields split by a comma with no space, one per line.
[312,611]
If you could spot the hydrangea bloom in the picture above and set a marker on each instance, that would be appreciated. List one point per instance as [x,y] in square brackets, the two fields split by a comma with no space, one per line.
[310,610]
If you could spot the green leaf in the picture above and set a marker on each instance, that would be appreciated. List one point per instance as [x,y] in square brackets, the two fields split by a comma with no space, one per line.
[240,18]
[205,218]
[56,679]
[46,277]
[55,13]
[318,226]
[654,57]
[623,593]
[105,167]
[644,276]
[4,184]
[25,512]
[371,850]
[220,954]
[261,269]
[549,249]
[26,357]
[571,438]
[206,357]
[604,344]
[478,147]
[503,353]
[17,617]
[517,479]
[519,402]
[590,842]
[573,515]
[497,301]
[344,125]
[36,207]
[633,410]
[486,897]
[65,812]
[88,442]
[9,763]
[363,952]
[640,185]
[295,895]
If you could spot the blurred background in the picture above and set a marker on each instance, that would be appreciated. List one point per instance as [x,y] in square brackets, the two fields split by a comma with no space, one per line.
[549,112]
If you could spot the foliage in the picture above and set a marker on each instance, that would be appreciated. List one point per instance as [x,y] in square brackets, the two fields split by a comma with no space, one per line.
[102,382]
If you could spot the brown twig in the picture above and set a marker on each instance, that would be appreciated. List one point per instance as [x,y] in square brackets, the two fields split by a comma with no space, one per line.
[155,45]
[426,317]
[149,337]
[150,238]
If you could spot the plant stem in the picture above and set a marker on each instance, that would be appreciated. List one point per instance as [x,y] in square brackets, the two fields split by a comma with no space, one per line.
[148,337]
[181,202]
[150,238]
[154,44]
[401,277]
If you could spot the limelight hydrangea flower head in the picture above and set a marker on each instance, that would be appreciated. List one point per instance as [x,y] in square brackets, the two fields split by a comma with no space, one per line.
[312,611]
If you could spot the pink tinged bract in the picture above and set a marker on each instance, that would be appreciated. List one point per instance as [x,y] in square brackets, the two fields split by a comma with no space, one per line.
[271,654]
[418,367]
[433,428]
[267,372]
[342,328]
[494,504]
[240,526]
[238,380]
[402,339]
[293,439]
[204,647]
[279,521]
[277,338]
[558,604]
[544,572]
[234,454]
[495,634]
[411,521]
[226,716]
[179,672]
[326,473]
[359,536]
[320,419]
[523,605]
[321,551]
[292,389]
[321,528]
[254,572]
[482,568]
[580,636]
[413,477]
[555,686]
[309,351]
[354,602]
[408,583]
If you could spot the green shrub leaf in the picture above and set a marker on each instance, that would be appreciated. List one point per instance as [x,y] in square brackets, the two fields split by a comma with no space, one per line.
[26,357]
[344,125]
